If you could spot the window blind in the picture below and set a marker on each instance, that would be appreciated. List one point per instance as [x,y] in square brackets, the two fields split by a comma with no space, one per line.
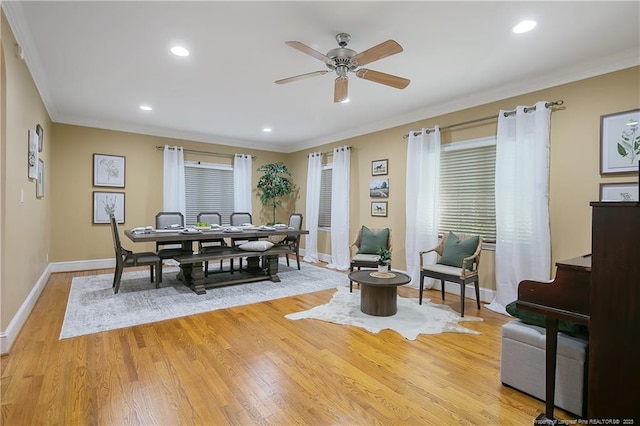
[208,188]
[324,217]
[467,189]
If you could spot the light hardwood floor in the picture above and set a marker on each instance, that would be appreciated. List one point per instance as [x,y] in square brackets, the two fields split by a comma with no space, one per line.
[249,365]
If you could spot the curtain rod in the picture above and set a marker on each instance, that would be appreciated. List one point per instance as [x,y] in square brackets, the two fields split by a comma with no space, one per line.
[328,152]
[195,151]
[491,117]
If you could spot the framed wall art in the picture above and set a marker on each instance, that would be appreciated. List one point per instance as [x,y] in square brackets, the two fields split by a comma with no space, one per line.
[107,203]
[379,167]
[40,133]
[40,182]
[32,154]
[379,188]
[379,208]
[108,170]
[619,142]
[626,191]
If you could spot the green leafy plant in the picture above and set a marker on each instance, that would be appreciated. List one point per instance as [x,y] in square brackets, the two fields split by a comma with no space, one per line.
[384,256]
[274,184]
[629,145]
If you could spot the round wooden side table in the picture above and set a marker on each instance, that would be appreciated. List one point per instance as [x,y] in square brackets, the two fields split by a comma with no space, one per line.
[379,296]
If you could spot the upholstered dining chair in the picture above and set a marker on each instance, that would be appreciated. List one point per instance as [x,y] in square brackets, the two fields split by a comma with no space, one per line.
[237,219]
[211,245]
[293,241]
[458,258]
[126,258]
[168,249]
[365,248]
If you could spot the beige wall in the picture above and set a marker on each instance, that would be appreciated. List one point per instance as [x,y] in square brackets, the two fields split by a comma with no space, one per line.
[574,163]
[60,225]
[25,225]
[73,188]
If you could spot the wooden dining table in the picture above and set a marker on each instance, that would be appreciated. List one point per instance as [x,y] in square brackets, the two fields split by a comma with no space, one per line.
[190,273]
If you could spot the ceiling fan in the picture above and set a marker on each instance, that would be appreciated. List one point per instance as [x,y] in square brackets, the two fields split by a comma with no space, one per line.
[343,60]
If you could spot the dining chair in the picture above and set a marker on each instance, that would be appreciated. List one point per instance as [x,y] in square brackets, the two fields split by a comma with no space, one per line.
[458,258]
[237,219]
[293,241]
[126,258]
[214,244]
[168,249]
[366,246]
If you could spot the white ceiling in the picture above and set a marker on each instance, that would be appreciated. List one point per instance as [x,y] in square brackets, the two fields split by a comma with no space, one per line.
[95,62]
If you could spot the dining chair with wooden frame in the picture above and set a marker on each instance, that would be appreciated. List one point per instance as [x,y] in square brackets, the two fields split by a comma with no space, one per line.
[126,258]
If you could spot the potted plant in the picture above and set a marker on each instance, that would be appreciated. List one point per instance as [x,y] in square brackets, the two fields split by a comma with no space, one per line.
[274,184]
[384,257]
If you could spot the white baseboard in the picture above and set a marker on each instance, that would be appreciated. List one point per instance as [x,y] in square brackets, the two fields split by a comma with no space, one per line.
[8,336]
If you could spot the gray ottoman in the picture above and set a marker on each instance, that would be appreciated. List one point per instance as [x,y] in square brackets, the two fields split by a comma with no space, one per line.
[523,365]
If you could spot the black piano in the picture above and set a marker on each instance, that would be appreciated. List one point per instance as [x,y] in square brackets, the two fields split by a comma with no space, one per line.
[567,298]
[601,291]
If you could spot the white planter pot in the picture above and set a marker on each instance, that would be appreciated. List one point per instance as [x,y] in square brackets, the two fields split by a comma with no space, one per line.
[383,268]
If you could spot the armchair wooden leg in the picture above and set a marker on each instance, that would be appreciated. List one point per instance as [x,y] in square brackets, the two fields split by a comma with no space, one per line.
[160,271]
[350,282]
[421,288]
[442,288]
[478,294]
[462,291]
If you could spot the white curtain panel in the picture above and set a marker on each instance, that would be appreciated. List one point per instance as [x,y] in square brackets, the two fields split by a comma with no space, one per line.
[242,165]
[422,193]
[314,174]
[340,255]
[523,241]
[173,192]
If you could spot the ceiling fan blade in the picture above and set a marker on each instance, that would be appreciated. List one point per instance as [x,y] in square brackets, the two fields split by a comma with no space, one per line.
[301,76]
[309,51]
[384,49]
[340,91]
[382,78]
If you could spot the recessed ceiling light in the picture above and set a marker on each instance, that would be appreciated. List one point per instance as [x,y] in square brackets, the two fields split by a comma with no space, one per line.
[267,129]
[524,26]
[179,51]
[145,107]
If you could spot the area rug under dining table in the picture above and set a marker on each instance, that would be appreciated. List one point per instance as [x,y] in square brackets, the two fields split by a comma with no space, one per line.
[92,306]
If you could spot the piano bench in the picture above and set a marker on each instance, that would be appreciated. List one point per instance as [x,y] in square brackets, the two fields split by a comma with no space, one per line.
[522,365]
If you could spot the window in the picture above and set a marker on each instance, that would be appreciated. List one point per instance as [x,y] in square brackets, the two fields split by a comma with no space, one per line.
[208,188]
[467,188]
[324,217]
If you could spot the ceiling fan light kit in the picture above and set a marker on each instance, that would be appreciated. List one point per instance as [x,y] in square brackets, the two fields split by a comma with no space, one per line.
[343,60]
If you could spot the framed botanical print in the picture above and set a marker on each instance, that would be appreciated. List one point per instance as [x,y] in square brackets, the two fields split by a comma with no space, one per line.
[619,142]
[40,182]
[106,204]
[32,154]
[108,170]
[626,191]
[40,133]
